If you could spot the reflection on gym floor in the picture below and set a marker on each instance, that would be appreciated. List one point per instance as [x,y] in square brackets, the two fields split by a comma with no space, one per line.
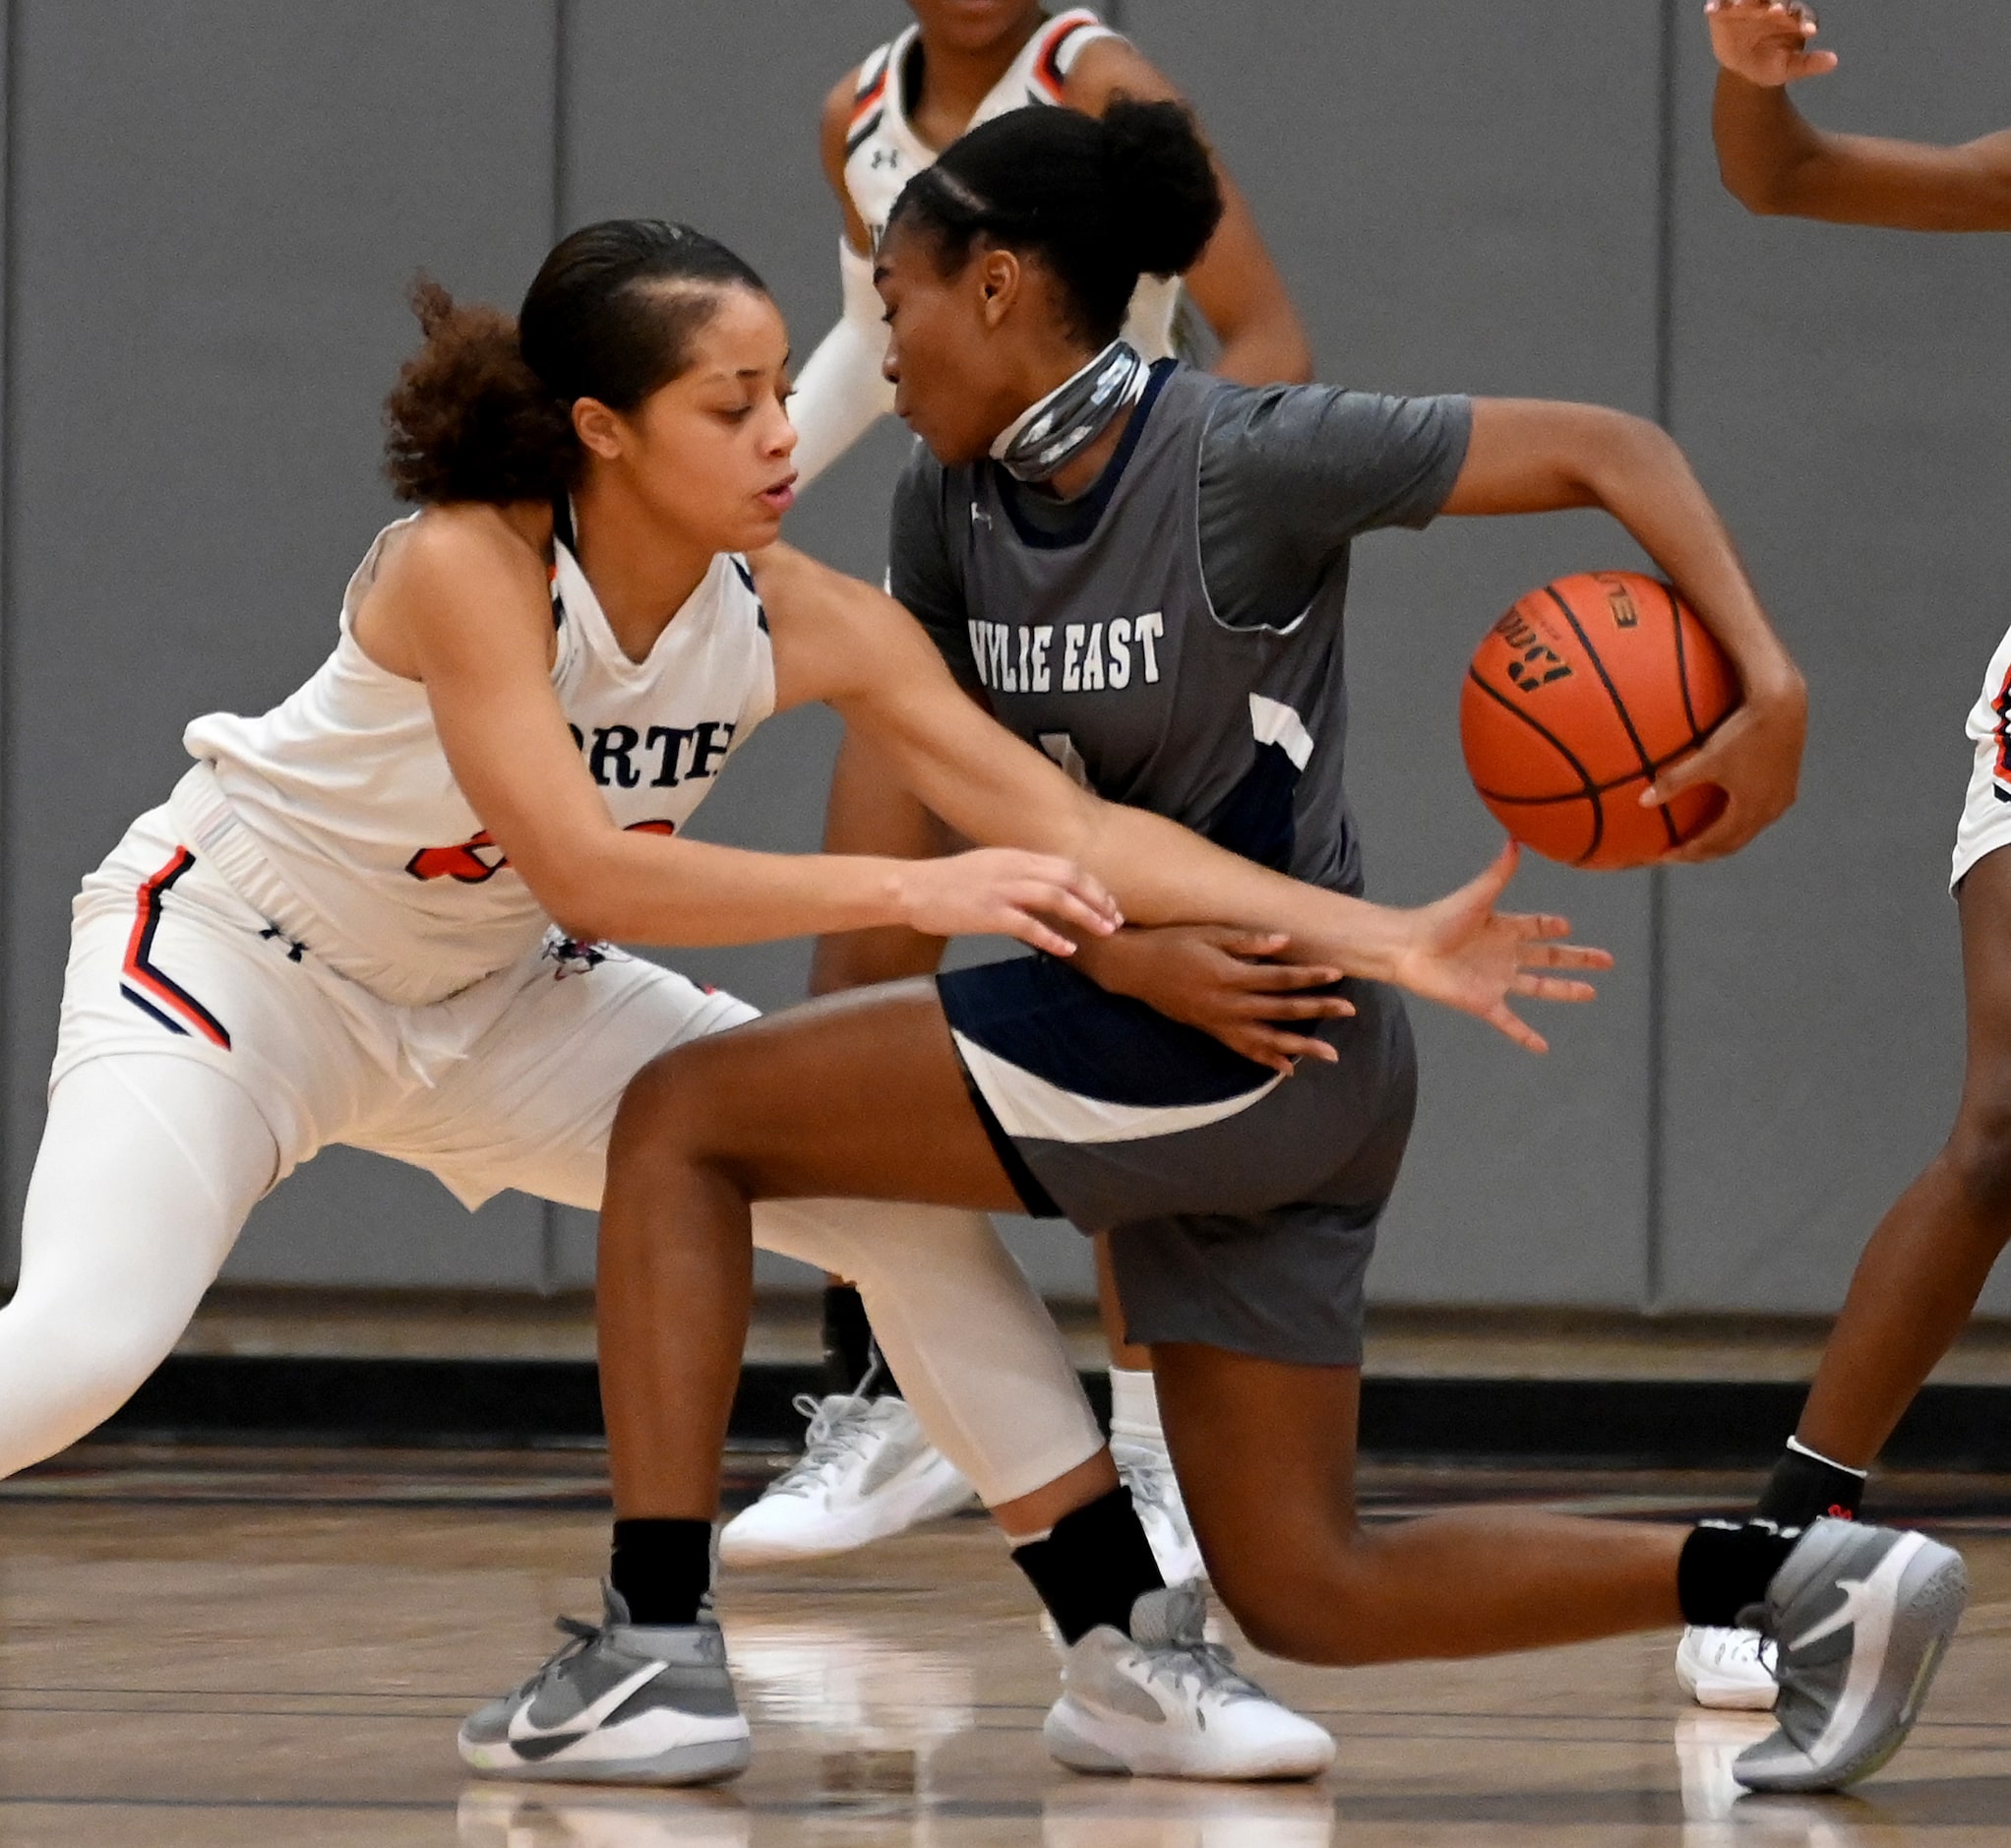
[244,1658]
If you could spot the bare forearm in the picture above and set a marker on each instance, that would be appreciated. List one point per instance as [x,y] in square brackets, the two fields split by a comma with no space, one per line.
[1646,484]
[1775,162]
[1162,874]
[690,893]
[1764,144]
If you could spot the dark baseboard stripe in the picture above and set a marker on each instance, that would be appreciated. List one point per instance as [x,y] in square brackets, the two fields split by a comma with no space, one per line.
[504,1403]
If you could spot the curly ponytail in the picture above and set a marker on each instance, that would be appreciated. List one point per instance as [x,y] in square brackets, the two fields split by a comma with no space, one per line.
[1100,202]
[468,420]
[482,411]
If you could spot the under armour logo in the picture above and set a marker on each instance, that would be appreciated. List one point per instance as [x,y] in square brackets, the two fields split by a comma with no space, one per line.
[979,518]
[883,158]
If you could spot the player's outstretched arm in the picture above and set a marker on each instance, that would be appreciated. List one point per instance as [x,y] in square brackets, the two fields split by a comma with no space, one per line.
[1235,284]
[1527,457]
[853,647]
[1775,162]
[462,606]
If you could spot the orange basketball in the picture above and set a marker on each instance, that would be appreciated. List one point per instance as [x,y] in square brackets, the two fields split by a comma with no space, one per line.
[1586,690]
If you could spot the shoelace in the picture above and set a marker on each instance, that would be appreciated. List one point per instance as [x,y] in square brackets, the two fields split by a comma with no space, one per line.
[584,1636]
[1761,1647]
[1207,1667]
[837,1431]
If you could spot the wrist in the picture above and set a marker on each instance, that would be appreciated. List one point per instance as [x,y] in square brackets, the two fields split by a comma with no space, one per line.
[1774,684]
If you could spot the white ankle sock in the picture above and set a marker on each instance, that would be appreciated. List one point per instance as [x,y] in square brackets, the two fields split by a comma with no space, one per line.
[1135,1406]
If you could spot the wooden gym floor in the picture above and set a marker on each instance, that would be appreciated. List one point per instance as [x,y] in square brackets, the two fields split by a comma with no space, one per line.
[238,1648]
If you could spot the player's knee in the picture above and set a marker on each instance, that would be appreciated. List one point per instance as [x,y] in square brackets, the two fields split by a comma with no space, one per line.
[1979,1151]
[1318,1609]
[666,1109]
[98,1354]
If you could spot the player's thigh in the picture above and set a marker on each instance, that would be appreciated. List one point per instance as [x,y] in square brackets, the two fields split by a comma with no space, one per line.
[147,1169]
[531,1105]
[167,963]
[858,1095]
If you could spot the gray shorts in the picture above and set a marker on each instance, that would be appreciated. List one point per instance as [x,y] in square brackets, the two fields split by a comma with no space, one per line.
[1241,1206]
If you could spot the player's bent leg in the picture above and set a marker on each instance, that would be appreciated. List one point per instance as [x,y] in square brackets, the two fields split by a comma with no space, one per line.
[874,1104]
[1306,1581]
[857,1095]
[1859,1616]
[147,1169]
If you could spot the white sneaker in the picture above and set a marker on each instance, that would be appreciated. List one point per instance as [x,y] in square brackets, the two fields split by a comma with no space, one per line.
[1162,1702]
[1726,1668]
[1146,1469]
[867,1472]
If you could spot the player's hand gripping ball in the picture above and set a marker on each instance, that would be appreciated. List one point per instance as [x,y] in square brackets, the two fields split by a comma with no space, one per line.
[1577,700]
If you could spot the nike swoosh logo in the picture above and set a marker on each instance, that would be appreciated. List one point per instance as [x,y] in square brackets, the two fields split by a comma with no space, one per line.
[522,1729]
[1868,1603]
[1856,1603]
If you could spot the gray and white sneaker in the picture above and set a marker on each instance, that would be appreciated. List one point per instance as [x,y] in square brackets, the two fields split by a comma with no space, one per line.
[1859,1616]
[1163,1702]
[1146,1469]
[868,1472]
[624,1703]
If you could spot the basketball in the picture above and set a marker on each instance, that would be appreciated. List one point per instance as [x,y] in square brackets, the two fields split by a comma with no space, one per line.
[1577,700]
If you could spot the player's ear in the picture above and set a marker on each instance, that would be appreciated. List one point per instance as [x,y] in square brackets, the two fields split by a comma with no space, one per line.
[1000,278]
[598,429]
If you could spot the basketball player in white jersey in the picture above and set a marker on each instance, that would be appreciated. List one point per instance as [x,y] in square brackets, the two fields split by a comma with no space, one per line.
[963,62]
[868,1470]
[1927,1261]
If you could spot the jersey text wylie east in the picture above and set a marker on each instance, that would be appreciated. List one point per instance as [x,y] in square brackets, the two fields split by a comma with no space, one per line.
[1022,657]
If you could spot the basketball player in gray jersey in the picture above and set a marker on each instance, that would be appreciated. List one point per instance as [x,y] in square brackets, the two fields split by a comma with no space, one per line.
[1142,569]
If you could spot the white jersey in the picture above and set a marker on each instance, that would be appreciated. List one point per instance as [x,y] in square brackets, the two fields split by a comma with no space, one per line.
[337,817]
[883,152]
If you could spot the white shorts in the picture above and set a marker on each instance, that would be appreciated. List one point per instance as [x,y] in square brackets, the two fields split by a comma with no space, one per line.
[511,1084]
[1985,824]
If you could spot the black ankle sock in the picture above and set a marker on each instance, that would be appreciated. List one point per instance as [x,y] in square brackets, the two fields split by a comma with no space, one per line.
[662,1569]
[852,1362]
[1804,1489]
[1724,1570]
[1094,1564]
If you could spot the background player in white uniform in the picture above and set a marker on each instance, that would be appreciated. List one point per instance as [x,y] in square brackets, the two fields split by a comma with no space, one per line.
[1927,1263]
[868,1470]
[961,64]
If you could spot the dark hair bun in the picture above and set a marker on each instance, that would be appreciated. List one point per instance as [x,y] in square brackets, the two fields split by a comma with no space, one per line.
[1166,200]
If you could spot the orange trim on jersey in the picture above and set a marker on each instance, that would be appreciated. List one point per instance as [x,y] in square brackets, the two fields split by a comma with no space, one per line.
[868,99]
[139,968]
[1047,67]
[2002,706]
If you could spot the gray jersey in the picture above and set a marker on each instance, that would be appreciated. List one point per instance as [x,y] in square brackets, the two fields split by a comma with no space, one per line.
[1174,637]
